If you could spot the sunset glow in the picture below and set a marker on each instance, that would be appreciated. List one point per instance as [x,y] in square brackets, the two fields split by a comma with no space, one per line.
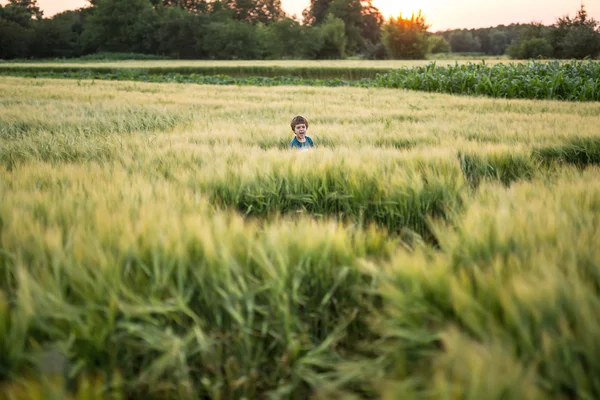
[392,8]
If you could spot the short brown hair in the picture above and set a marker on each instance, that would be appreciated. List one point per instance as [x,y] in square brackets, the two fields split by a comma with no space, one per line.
[298,119]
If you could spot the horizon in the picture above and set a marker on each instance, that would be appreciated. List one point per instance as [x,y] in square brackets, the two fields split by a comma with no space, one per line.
[440,14]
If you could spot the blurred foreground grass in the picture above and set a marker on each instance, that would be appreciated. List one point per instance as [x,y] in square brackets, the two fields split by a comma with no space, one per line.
[160,241]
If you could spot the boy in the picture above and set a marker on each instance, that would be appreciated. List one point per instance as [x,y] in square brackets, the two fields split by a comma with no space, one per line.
[300,141]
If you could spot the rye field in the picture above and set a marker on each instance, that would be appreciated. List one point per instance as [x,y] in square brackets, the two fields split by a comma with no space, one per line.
[160,241]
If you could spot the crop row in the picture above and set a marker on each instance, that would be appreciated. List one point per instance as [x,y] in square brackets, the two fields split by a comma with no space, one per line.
[239,71]
[574,81]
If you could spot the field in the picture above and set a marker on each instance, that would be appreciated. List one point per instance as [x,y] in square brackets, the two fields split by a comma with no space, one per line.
[320,69]
[540,80]
[377,64]
[160,241]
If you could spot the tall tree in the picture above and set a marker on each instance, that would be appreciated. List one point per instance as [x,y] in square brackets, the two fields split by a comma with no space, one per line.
[17,27]
[253,11]
[405,38]
[58,36]
[577,37]
[121,26]
[332,38]
[23,12]
[372,20]
[180,33]
[362,20]
[463,41]
[193,6]
[316,12]
[350,11]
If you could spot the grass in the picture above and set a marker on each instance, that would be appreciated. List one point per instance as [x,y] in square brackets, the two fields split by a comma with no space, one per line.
[160,241]
[570,81]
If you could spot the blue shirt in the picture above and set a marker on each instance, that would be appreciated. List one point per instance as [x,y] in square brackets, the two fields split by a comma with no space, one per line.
[298,145]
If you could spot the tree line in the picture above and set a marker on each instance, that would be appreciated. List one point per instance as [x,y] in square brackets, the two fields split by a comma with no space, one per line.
[260,29]
[570,37]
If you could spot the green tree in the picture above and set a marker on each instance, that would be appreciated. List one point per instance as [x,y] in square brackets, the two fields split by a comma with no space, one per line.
[180,33]
[287,39]
[193,6]
[231,39]
[331,36]
[531,48]
[17,27]
[362,20]
[23,12]
[14,40]
[252,11]
[316,12]
[484,39]
[532,42]
[577,37]
[499,41]
[58,36]
[405,38]
[463,41]
[121,26]
[437,44]
[372,20]
[350,11]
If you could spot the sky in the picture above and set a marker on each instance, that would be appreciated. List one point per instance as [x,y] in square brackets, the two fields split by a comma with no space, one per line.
[440,14]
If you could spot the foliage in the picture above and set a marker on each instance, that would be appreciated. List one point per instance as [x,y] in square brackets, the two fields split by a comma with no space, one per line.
[181,34]
[121,26]
[438,44]
[530,48]
[231,39]
[404,38]
[331,35]
[14,39]
[498,42]
[59,37]
[463,41]
[287,39]
[577,37]
[574,81]
[253,11]
[362,20]
[17,28]
[186,29]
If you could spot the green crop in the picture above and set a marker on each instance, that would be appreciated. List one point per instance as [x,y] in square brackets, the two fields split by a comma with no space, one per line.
[161,241]
[569,81]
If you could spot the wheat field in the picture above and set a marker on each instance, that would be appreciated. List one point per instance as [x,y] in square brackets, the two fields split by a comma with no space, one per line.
[160,241]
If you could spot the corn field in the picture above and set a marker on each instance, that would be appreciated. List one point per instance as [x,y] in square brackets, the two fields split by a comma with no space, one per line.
[161,241]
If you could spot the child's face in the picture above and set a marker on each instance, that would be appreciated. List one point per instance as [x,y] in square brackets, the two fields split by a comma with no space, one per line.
[300,131]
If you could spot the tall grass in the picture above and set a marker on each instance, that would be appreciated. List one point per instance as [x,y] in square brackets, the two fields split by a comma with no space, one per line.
[507,308]
[161,242]
[213,304]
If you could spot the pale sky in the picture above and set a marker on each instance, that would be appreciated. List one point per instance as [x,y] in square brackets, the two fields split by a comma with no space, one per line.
[441,14]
